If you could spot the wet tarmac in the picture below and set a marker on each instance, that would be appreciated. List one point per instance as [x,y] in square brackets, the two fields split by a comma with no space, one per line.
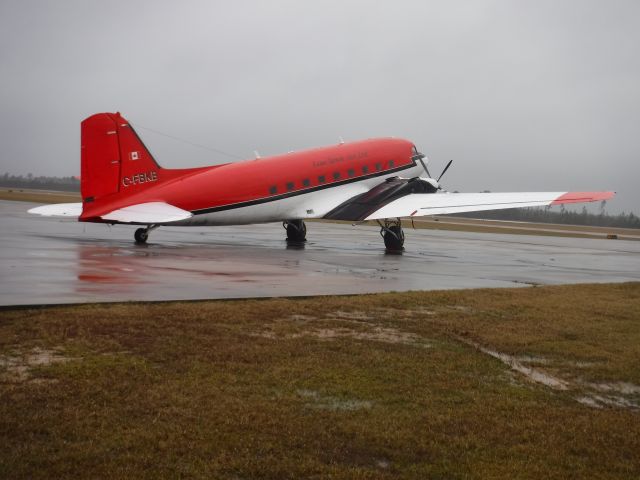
[51,261]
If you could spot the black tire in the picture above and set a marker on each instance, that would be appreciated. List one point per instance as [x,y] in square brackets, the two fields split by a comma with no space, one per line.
[394,239]
[141,235]
[296,231]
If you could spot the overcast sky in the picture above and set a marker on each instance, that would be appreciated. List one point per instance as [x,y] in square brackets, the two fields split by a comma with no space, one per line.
[523,95]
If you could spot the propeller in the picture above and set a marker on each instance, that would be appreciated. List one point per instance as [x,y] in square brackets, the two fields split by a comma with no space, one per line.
[445,169]
[424,165]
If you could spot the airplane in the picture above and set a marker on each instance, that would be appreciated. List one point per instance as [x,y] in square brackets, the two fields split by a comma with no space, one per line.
[382,179]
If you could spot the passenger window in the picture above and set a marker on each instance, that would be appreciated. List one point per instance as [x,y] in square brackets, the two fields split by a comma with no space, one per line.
[290,186]
[306,182]
[365,169]
[391,163]
[336,175]
[322,179]
[378,167]
[350,172]
[273,190]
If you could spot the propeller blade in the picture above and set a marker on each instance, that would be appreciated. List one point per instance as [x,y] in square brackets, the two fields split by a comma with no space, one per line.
[445,169]
[425,167]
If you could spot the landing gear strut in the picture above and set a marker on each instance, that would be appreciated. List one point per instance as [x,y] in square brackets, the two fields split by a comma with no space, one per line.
[393,235]
[296,230]
[142,234]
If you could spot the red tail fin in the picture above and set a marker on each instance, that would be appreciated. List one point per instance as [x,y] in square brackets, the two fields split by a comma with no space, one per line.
[113,158]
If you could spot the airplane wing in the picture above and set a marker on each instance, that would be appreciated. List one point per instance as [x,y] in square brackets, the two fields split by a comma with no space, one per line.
[417,205]
[420,204]
[142,213]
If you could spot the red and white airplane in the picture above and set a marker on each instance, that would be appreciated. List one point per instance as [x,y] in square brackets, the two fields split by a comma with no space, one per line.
[378,179]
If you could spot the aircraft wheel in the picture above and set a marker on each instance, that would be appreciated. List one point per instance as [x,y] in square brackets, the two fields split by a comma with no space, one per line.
[141,235]
[394,238]
[296,231]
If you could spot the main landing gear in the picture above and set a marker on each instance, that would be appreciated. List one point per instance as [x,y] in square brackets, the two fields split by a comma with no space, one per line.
[393,235]
[141,235]
[296,231]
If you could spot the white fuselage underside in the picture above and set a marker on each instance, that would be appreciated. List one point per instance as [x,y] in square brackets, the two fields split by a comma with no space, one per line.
[315,204]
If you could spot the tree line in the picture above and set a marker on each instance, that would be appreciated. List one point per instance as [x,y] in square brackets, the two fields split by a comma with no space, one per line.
[67,184]
[567,217]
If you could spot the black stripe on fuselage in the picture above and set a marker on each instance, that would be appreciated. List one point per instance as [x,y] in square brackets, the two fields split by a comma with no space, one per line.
[302,192]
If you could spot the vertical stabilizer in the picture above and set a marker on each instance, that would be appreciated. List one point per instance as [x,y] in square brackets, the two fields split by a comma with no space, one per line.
[113,158]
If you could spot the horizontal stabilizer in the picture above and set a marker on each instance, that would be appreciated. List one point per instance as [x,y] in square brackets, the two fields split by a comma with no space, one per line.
[148,213]
[58,210]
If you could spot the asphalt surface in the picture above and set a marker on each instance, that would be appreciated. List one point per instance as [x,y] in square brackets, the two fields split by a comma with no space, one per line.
[51,261]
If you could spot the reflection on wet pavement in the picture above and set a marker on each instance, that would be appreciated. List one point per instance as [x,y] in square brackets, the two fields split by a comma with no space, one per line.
[45,260]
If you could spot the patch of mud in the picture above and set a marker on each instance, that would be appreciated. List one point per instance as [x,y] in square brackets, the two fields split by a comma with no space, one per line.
[357,325]
[18,366]
[301,318]
[582,364]
[588,401]
[594,395]
[533,374]
[404,313]
[600,401]
[614,394]
[460,308]
[376,334]
[327,402]
[356,315]
[532,359]
[624,388]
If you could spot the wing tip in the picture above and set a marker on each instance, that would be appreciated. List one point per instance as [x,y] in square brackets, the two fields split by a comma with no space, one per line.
[583,197]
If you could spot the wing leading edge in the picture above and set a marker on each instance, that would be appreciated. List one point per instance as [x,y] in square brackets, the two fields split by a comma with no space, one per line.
[417,205]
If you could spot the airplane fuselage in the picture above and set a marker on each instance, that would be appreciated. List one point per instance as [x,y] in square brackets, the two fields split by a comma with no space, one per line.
[297,185]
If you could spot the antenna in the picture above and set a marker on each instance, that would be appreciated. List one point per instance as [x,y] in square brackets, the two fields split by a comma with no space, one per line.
[255,152]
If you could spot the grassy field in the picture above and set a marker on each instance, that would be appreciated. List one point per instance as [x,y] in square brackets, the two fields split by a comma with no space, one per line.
[526,383]
[459,224]
[38,196]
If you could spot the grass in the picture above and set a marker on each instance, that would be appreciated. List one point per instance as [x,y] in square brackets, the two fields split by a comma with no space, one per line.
[38,196]
[459,224]
[371,386]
